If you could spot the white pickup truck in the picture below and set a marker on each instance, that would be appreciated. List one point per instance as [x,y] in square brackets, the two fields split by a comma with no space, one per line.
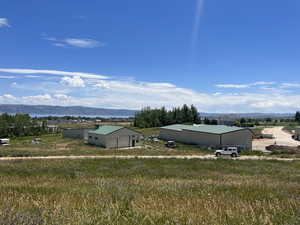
[231,151]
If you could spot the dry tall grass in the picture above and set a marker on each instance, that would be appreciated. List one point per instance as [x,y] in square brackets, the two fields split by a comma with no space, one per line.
[149,192]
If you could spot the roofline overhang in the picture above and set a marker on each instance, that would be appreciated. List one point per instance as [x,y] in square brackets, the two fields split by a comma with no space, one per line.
[210,132]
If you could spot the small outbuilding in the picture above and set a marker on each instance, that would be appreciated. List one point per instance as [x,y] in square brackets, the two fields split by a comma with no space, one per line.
[210,136]
[114,137]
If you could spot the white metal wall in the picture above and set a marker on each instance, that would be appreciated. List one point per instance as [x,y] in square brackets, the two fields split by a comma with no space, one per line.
[119,139]
[190,137]
[237,138]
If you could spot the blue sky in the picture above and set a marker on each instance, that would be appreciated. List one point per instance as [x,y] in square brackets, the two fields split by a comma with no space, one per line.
[222,56]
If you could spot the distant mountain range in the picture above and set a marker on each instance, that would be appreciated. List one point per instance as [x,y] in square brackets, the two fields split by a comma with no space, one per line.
[247,115]
[46,110]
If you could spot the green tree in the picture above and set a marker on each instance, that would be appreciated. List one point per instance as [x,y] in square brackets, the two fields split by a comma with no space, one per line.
[243,120]
[214,122]
[297,117]
[148,117]
[269,120]
[206,121]
[195,115]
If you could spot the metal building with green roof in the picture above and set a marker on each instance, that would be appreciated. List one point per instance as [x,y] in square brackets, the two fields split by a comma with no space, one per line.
[114,137]
[211,136]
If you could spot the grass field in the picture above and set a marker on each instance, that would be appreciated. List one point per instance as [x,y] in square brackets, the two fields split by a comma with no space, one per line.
[157,192]
[51,145]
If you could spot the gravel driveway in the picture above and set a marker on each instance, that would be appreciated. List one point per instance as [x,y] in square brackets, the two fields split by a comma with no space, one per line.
[281,138]
[212,157]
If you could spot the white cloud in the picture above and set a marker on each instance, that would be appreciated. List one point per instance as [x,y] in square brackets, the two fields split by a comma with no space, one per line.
[4,22]
[132,94]
[43,99]
[249,102]
[59,44]
[37,98]
[161,85]
[83,43]
[8,97]
[49,38]
[244,85]
[32,76]
[74,42]
[62,97]
[290,85]
[262,83]
[53,72]
[232,86]
[74,81]
[7,77]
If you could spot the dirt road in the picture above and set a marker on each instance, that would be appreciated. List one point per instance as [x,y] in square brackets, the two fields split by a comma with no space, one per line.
[212,157]
[281,138]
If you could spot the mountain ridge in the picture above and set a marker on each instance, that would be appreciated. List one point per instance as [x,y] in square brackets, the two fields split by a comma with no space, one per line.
[93,111]
[64,110]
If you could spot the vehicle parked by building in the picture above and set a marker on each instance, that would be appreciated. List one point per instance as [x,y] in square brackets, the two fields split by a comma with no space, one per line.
[170,144]
[4,142]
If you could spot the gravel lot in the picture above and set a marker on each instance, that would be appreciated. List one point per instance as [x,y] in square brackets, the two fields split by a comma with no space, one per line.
[281,138]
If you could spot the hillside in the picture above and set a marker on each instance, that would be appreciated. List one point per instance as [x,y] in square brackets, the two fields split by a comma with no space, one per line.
[90,111]
[65,110]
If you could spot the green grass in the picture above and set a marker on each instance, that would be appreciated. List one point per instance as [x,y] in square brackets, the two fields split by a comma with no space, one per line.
[158,192]
[290,128]
[55,145]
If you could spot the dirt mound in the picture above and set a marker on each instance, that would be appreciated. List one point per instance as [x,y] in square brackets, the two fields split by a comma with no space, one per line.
[282,147]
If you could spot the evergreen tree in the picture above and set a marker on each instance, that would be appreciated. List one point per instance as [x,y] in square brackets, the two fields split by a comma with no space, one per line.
[195,115]
[19,125]
[242,121]
[297,117]
[148,117]
[206,121]
[214,122]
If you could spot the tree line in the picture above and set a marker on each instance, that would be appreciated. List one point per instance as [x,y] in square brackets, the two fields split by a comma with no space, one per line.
[20,125]
[148,117]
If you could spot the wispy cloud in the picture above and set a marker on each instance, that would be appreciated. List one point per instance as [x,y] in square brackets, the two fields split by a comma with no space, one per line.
[52,72]
[290,85]
[32,76]
[4,22]
[7,77]
[59,44]
[83,43]
[74,42]
[263,83]
[196,28]
[49,38]
[244,85]
[232,86]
